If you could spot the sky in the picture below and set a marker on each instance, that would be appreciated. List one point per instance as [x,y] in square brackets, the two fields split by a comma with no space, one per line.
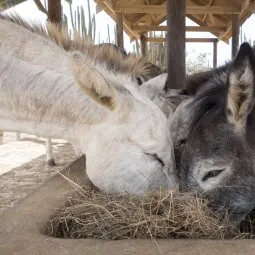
[29,11]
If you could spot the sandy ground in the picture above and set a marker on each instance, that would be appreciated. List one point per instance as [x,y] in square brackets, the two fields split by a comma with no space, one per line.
[23,167]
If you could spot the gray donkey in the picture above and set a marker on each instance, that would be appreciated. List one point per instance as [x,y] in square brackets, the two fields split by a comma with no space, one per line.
[214,135]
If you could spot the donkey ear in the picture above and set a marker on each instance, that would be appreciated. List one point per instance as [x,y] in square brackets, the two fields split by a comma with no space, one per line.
[92,82]
[154,86]
[241,83]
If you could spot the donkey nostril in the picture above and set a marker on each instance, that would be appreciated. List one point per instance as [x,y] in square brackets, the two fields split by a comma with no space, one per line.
[139,81]
[183,142]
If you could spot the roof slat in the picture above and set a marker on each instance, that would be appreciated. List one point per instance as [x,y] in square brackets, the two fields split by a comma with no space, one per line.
[161,9]
[188,28]
[141,16]
[190,40]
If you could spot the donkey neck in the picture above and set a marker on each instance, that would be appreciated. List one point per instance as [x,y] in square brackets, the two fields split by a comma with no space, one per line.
[42,102]
[37,48]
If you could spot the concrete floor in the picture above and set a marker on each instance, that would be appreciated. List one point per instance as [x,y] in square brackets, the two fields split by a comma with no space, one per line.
[21,229]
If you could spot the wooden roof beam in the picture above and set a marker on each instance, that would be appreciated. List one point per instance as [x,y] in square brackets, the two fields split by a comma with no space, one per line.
[151,15]
[247,6]
[140,28]
[206,15]
[188,40]
[221,20]
[141,16]
[197,19]
[161,9]
[108,6]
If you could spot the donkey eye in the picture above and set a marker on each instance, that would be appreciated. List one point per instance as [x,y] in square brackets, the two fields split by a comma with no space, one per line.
[212,174]
[155,156]
[139,81]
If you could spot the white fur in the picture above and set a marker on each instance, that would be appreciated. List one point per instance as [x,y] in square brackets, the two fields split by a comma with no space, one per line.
[155,90]
[40,51]
[41,97]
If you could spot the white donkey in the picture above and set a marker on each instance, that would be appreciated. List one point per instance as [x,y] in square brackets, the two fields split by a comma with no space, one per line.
[123,133]
[132,65]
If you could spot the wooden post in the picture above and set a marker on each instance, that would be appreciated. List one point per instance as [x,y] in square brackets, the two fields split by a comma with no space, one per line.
[176,12]
[235,35]
[1,136]
[215,53]
[143,45]
[119,28]
[17,136]
[54,11]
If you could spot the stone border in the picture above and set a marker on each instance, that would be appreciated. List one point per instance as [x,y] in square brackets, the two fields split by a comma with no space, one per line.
[21,229]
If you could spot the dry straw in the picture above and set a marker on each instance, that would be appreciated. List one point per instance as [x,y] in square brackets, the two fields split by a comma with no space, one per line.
[92,214]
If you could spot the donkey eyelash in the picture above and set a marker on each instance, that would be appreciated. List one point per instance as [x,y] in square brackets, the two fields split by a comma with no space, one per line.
[157,158]
[212,174]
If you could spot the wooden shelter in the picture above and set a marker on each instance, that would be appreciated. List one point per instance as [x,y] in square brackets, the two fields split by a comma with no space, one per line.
[141,16]
[220,17]
[137,17]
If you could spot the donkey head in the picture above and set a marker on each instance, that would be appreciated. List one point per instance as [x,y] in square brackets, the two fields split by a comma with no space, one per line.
[152,72]
[214,137]
[167,100]
[131,149]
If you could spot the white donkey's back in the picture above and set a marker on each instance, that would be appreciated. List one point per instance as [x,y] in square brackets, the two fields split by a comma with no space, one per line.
[124,135]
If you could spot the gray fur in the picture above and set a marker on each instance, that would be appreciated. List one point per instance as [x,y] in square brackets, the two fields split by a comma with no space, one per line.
[214,136]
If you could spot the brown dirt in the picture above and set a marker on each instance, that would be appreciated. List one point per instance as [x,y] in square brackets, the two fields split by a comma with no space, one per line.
[23,180]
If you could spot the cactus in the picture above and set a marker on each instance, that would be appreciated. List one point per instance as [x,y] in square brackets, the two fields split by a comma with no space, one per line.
[78,28]
[93,35]
[64,20]
[84,31]
[99,38]
[46,4]
[115,34]
[90,20]
[157,53]
[85,26]
[71,15]
[138,48]
[109,36]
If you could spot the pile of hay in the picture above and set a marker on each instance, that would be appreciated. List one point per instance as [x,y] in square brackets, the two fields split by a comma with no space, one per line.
[92,214]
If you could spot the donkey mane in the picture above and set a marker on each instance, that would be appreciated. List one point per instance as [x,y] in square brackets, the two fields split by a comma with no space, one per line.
[197,81]
[114,60]
[209,90]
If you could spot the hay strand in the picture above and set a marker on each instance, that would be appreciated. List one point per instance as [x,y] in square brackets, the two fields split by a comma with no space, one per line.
[92,214]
